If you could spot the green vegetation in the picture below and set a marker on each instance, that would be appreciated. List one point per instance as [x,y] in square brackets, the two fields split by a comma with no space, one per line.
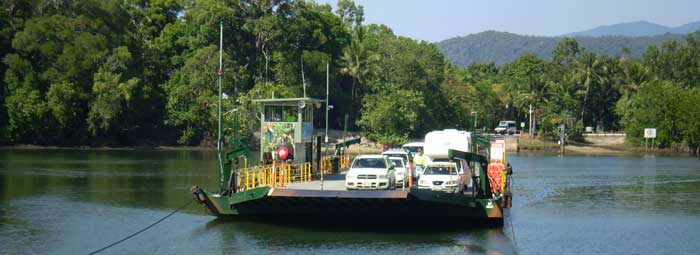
[144,72]
[581,88]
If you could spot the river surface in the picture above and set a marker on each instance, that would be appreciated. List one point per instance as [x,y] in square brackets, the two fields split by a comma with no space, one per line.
[77,201]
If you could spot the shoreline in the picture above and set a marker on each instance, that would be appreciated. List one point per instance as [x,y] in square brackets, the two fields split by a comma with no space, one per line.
[592,149]
[525,146]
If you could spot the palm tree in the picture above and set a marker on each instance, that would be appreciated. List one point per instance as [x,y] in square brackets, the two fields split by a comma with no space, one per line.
[352,64]
[588,71]
[635,73]
[357,62]
[527,83]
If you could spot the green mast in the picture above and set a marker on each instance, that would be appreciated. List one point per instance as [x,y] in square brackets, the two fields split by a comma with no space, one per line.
[218,140]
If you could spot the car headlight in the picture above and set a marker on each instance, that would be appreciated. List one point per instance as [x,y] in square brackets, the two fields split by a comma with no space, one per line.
[451,183]
[382,176]
[399,173]
[423,182]
[350,177]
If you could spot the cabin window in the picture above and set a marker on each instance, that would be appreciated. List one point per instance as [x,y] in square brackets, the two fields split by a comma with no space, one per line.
[308,113]
[281,113]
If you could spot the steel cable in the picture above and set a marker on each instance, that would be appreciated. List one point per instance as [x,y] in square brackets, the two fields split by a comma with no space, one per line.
[143,229]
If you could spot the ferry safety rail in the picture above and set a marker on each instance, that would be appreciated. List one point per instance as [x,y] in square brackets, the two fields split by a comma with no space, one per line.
[273,175]
[326,164]
[279,175]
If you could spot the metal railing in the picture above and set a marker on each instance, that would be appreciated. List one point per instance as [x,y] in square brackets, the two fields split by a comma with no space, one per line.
[326,164]
[283,174]
[273,175]
[345,161]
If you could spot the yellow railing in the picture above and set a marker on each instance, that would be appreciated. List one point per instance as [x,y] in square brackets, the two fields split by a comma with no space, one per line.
[273,175]
[345,161]
[326,165]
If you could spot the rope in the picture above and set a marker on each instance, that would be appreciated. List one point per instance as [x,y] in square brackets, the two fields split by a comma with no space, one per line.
[143,229]
[512,230]
[510,218]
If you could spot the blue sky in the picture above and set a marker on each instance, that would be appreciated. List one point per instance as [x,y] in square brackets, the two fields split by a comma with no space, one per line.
[436,20]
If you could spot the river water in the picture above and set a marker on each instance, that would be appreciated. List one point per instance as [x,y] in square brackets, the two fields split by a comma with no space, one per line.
[77,201]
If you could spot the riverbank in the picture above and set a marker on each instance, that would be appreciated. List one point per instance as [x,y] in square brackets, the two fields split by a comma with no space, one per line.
[593,146]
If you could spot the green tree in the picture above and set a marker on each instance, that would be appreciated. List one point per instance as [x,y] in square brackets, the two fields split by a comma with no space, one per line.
[390,121]
[26,109]
[676,62]
[588,72]
[527,85]
[659,105]
[479,72]
[192,95]
[112,94]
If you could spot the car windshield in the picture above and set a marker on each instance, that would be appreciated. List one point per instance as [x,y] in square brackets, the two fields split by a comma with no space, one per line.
[439,170]
[412,149]
[397,162]
[397,155]
[457,164]
[369,163]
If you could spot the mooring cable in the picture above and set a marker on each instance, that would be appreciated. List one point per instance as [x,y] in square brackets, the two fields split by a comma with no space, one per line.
[510,218]
[143,229]
[512,230]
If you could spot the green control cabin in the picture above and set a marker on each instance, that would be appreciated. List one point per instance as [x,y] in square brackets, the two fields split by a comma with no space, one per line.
[286,128]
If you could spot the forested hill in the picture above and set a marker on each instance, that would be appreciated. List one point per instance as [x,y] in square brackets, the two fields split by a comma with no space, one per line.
[502,47]
[638,28]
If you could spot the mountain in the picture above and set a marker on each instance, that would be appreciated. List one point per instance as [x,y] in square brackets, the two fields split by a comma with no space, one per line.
[687,28]
[502,47]
[638,28]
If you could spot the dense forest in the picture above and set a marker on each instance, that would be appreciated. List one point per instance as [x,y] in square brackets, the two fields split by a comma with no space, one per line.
[503,47]
[141,72]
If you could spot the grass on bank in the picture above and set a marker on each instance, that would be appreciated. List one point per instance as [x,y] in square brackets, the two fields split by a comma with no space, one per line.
[536,144]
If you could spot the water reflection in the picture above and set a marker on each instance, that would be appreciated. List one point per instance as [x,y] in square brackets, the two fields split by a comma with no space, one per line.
[274,238]
[139,178]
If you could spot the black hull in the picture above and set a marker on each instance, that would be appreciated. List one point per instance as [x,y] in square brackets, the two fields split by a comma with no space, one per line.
[359,208]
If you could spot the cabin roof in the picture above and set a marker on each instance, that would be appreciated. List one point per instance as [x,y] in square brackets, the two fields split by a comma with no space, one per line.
[289,100]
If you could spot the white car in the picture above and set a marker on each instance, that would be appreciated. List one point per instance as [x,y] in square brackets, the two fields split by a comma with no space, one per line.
[443,176]
[370,172]
[401,153]
[413,147]
[400,171]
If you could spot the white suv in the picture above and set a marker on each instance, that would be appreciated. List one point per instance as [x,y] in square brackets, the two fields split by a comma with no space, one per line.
[370,172]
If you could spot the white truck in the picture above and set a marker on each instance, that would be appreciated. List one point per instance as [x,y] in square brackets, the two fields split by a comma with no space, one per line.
[506,127]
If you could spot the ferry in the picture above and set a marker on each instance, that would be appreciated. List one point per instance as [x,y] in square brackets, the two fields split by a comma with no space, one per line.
[296,182]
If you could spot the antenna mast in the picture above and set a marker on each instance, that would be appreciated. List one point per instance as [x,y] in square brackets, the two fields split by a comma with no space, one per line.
[221,74]
[303,81]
